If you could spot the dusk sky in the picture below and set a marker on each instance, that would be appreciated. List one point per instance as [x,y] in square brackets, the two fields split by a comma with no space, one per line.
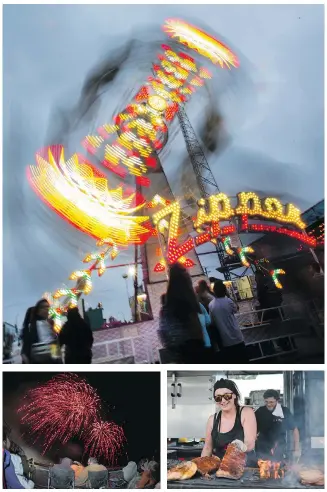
[276,125]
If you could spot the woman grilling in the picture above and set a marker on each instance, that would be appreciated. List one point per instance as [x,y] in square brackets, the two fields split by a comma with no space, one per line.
[231,421]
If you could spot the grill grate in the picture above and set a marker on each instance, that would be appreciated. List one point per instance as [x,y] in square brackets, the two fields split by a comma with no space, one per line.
[250,479]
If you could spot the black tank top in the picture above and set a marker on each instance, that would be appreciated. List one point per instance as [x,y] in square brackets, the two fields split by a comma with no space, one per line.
[220,440]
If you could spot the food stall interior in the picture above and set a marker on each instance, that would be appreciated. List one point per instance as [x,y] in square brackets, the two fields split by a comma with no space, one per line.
[190,403]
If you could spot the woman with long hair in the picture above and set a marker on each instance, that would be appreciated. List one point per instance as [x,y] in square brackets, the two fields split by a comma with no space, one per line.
[38,337]
[180,329]
[231,422]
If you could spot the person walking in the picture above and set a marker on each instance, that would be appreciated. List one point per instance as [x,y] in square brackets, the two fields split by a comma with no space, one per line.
[180,329]
[39,341]
[76,335]
[230,337]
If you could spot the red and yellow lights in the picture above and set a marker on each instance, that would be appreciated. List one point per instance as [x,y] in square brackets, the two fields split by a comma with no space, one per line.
[202,43]
[174,251]
[142,127]
[218,208]
[80,194]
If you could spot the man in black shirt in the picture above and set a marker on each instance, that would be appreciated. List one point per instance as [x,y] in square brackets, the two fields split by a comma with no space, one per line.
[273,421]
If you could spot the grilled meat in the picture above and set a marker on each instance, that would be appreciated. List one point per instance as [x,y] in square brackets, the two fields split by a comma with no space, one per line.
[183,471]
[233,463]
[207,464]
[312,477]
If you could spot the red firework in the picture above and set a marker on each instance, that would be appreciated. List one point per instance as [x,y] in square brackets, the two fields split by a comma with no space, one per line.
[64,407]
[105,440]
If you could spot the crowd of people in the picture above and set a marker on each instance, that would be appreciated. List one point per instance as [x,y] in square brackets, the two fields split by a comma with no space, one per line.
[199,325]
[195,326]
[17,472]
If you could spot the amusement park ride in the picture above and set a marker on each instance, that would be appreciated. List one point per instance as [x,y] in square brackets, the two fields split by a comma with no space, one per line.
[131,214]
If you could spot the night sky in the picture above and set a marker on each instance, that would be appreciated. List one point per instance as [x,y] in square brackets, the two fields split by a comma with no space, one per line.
[132,400]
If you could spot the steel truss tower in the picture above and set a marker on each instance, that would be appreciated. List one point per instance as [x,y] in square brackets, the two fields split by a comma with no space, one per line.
[203,174]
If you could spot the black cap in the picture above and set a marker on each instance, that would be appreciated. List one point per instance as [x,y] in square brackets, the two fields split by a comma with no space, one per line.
[226,383]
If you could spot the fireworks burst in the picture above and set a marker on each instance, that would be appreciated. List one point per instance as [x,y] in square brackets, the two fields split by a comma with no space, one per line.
[105,440]
[64,407]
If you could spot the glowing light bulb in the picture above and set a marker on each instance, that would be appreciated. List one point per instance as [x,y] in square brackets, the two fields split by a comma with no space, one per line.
[157,102]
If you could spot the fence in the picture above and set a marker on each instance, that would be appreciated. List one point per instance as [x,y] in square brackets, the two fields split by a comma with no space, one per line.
[135,349]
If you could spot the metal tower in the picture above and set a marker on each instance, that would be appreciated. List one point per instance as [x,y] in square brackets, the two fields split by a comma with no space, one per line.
[203,174]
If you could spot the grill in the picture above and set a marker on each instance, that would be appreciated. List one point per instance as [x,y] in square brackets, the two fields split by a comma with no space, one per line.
[250,479]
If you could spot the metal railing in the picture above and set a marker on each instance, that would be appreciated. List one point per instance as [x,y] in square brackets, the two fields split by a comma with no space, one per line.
[261,317]
[122,348]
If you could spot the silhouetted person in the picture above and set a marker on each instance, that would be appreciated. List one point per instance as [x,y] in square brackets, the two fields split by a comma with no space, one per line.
[180,330]
[77,337]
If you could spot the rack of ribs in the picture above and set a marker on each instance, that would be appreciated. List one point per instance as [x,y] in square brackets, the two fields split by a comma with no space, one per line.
[233,463]
[183,471]
[207,464]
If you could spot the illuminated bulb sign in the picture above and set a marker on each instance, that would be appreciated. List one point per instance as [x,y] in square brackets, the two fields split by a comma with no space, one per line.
[215,210]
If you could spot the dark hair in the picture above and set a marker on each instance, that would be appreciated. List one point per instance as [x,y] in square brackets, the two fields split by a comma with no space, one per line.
[202,286]
[140,464]
[28,317]
[15,449]
[219,289]
[180,297]
[73,314]
[34,312]
[229,384]
[5,433]
[271,394]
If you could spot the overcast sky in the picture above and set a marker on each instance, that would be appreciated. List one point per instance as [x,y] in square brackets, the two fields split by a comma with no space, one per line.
[48,51]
